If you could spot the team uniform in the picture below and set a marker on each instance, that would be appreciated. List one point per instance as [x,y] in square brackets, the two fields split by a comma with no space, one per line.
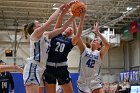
[35,66]
[5,80]
[56,67]
[89,71]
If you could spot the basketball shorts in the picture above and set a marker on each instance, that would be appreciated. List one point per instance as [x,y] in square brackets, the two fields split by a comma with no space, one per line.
[88,85]
[53,74]
[32,74]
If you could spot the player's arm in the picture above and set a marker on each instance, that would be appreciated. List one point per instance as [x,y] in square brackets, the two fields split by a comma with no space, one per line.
[57,31]
[4,68]
[81,45]
[76,38]
[106,45]
[39,31]
[65,9]
[58,27]
[74,26]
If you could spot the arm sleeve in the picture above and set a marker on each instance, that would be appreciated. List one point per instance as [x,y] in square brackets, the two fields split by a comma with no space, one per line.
[11,81]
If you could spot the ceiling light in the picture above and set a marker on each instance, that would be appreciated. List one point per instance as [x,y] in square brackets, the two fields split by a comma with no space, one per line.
[129,8]
[55,8]
[54,4]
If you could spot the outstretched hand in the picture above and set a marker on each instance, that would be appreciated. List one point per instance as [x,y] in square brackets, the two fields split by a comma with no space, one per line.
[65,8]
[73,2]
[95,28]
[82,12]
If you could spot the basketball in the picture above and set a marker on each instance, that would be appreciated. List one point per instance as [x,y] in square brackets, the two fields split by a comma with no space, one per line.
[76,8]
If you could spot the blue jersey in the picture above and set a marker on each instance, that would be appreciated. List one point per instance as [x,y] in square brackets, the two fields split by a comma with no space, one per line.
[60,47]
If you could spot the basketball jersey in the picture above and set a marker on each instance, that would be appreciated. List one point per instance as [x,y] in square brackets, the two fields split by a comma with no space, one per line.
[60,47]
[39,51]
[89,66]
[5,80]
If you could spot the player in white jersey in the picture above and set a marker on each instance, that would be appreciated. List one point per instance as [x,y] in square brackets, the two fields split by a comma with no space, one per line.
[39,47]
[90,62]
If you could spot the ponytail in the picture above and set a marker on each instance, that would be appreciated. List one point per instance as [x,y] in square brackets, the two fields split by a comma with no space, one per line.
[28,29]
[25,31]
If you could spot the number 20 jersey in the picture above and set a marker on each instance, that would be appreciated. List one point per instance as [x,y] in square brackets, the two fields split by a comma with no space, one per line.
[90,62]
[60,47]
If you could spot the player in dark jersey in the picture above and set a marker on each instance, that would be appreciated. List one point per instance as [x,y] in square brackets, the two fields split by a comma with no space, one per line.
[61,45]
[5,80]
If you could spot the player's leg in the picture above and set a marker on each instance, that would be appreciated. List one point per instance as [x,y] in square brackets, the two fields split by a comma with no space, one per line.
[64,79]
[51,88]
[96,86]
[50,79]
[98,90]
[68,88]
[31,88]
[40,89]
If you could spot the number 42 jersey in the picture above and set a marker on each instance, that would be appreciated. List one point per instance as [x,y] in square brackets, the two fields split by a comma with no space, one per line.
[90,62]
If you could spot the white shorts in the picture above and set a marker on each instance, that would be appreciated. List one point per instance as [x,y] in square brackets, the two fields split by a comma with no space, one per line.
[88,85]
[32,74]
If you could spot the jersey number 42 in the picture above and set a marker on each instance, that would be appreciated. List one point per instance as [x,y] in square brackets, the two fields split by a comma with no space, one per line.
[90,63]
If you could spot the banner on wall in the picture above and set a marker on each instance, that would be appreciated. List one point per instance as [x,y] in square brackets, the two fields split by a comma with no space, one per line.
[130,75]
[134,27]
[121,76]
[127,36]
[126,31]
[139,24]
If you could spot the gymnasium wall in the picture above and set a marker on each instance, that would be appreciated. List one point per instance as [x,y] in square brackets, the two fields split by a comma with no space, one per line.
[135,54]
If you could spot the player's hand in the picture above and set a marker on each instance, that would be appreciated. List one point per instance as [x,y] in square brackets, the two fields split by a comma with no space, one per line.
[82,12]
[95,28]
[73,2]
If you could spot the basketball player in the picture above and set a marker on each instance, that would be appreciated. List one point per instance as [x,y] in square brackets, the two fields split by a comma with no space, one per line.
[90,62]
[61,45]
[6,80]
[39,47]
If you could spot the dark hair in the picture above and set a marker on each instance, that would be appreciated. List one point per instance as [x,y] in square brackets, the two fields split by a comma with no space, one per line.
[101,44]
[1,61]
[28,29]
[88,45]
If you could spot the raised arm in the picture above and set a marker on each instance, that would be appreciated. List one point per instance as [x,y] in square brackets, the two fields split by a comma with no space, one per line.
[62,14]
[59,29]
[80,27]
[74,26]
[81,45]
[39,31]
[4,68]
[106,45]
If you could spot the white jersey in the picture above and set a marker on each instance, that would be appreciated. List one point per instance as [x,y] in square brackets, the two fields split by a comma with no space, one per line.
[90,63]
[39,51]
[89,69]
[36,64]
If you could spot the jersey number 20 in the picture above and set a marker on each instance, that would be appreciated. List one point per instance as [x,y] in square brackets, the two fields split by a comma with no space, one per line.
[90,63]
[60,47]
